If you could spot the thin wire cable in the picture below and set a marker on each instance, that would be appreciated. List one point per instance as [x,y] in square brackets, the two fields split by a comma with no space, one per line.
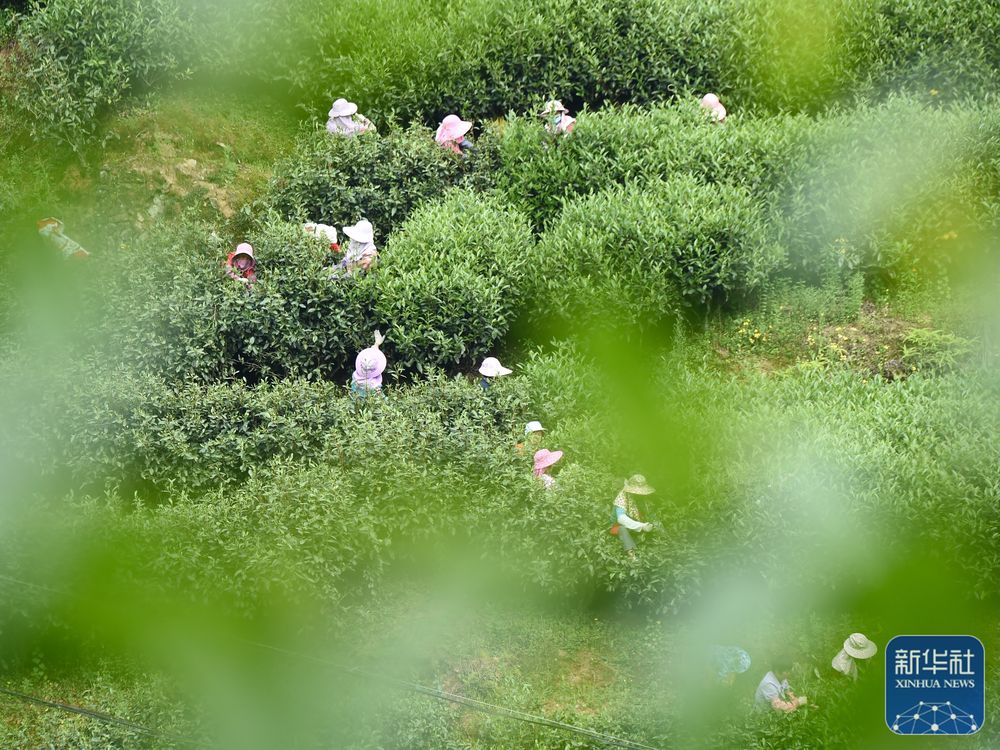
[433,692]
[455,698]
[99,716]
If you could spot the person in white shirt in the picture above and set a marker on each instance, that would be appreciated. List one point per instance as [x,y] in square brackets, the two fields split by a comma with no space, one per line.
[775,692]
[345,120]
[625,513]
[857,646]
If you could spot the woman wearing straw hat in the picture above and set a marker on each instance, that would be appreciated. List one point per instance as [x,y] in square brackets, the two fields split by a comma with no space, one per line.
[545,459]
[711,103]
[52,230]
[557,119]
[368,368]
[345,120]
[857,646]
[241,264]
[451,134]
[727,662]
[361,252]
[625,513]
[489,369]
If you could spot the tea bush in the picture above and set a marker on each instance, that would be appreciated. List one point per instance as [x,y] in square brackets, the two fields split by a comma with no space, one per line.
[452,281]
[637,256]
[337,181]
[185,319]
[84,57]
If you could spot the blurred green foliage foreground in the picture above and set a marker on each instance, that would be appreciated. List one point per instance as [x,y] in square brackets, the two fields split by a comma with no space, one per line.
[786,322]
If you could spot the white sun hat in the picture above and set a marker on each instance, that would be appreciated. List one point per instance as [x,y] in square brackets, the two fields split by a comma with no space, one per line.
[323,231]
[859,647]
[553,106]
[491,368]
[533,427]
[343,108]
[362,232]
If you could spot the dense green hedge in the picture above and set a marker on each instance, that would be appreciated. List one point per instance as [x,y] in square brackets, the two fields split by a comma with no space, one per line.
[80,59]
[484,59]
[639,255]
[452,281]
[337,181]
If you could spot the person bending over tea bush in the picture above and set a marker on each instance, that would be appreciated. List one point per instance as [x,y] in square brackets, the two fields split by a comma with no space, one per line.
[545,460]
[625,512]
[774,690]
[489,369]
[368,368]
[557,119]
[345,120]
[361,252]
[451,134]
[241,264]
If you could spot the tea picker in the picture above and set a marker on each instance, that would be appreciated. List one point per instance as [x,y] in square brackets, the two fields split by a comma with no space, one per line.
[323,232]
[557,119]
[368,368]
[242,265]
[345,120]
[489,369]
[532,436]
[52,230]
[774,690]
[451,135]
[856,647]
[625,513]
[711,103]
[544,460]
[361,252]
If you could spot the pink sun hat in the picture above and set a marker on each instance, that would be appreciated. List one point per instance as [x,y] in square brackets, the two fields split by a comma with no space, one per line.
[711,102]
[544,458]
[244,248]
[370,364]
[452,128]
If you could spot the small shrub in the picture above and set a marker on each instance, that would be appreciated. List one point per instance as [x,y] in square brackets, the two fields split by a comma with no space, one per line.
[638,255]
[84,57]
[338,181]
[452,281]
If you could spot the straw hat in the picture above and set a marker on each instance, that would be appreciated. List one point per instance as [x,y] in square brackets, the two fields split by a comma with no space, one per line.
[362,232]
[636,485]
[544,458]
[859,647]
[491,368]
[533,427]
[44,224]
[452,128]
[343,108]
[552,106]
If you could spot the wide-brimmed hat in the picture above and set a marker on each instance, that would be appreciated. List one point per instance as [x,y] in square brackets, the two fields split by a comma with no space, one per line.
[452,128]
[544,458]
[491,368]
[730,660]
[323,231]
[343,108]
[369,364]
[711,102]
[636,485]
[362,232]
[533,427]
[858,646]
[244,248]
[552,106]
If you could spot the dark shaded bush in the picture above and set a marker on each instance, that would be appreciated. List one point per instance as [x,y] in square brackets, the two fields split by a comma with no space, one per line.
[452,281]
[639,255]
[185,319]
[337,181]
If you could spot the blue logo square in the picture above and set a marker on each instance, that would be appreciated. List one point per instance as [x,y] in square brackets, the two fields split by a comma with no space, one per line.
[935,684]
